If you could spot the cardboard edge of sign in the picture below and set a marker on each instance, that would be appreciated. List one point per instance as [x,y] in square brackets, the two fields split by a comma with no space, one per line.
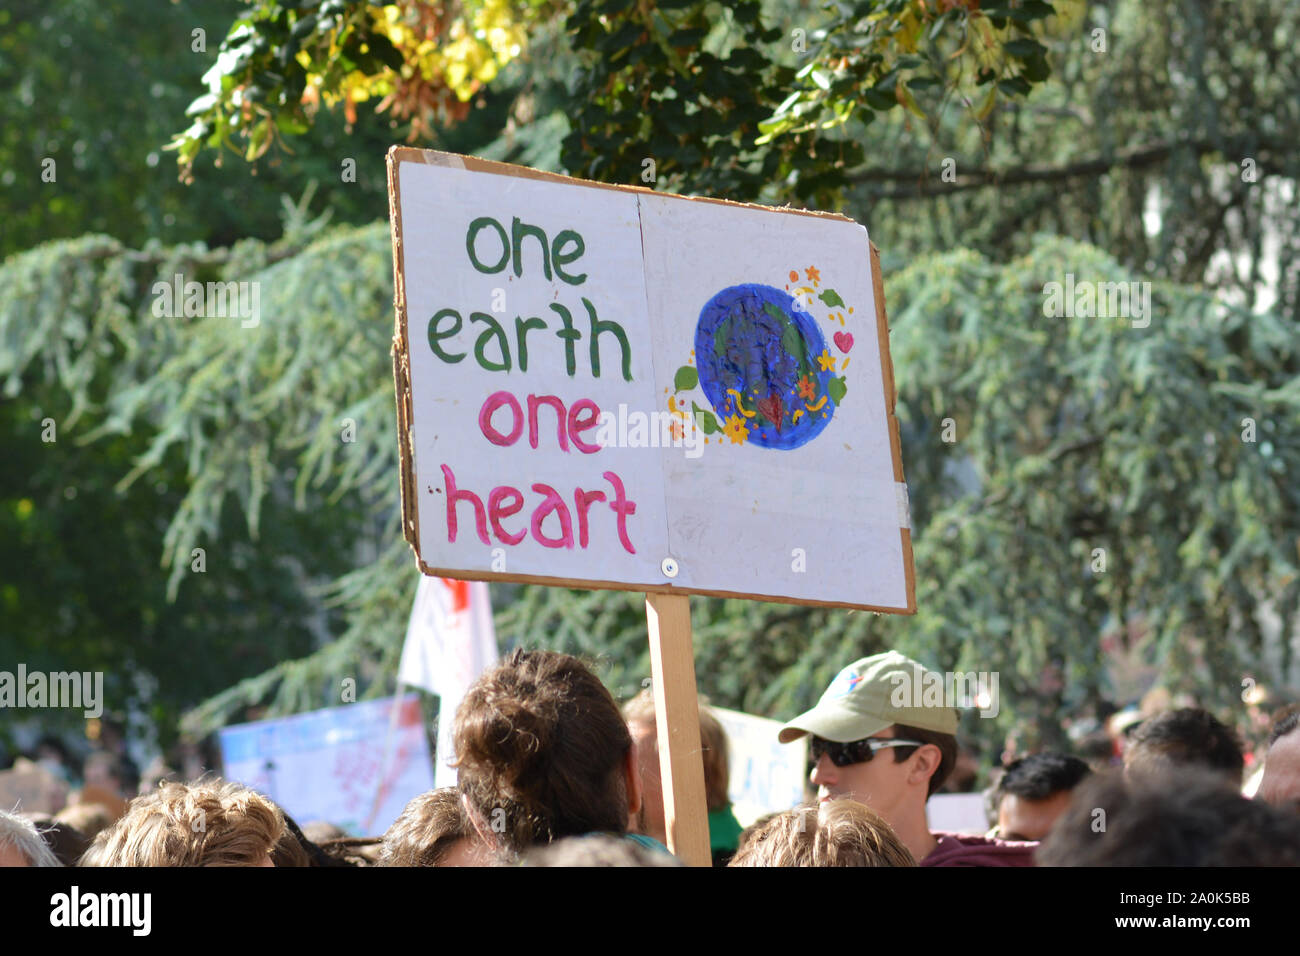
[405,413]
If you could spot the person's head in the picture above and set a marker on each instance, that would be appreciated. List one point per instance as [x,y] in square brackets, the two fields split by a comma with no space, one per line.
[1188,736]
[209,823]
[88,818]
[103,768]
[598,849]
[318,831]
[543,753]
[874,741]
[1097,750]
[1280,785]
[640,715]
[1186,816]
[1033,792]
[66,842]
[21,843]
[834,833]
[433,830]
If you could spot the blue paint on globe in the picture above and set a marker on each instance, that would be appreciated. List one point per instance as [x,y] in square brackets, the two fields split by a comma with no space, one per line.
[757,340]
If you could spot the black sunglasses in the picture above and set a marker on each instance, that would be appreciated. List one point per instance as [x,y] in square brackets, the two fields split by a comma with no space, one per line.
[855,751]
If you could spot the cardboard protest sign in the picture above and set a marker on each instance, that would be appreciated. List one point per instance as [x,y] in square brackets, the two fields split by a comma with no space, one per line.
[606,387]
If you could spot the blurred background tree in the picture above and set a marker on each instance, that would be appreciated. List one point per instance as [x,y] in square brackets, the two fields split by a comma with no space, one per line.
[990,149]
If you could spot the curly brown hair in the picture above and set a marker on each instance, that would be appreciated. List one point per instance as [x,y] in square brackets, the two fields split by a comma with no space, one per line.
[540,746]
[428,827]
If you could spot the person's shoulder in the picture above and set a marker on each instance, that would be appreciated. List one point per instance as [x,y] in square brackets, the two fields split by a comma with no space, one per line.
[650,843]
[964,849]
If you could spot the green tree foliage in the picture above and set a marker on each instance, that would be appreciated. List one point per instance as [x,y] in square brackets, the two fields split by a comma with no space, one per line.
[687,85]
[85,503]
[98,86]
[1165,136]
[421,63]
[733,101]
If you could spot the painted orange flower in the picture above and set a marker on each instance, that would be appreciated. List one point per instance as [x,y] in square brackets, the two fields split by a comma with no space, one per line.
[825,361]
[814,274]
[736,430]
[807,389]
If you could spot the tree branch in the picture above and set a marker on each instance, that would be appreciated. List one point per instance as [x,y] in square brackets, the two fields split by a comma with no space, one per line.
[924,184]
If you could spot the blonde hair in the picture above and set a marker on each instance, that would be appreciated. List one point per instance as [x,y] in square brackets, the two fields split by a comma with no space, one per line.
[209,823]
[713,742]
[838,833]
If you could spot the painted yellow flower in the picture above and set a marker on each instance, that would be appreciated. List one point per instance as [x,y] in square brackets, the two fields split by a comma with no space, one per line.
[736,430]
[825,361]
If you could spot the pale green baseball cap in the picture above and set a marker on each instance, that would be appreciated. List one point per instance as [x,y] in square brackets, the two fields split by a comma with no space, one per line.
[871,694]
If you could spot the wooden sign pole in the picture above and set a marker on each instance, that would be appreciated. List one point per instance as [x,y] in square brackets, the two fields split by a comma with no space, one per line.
[677,715]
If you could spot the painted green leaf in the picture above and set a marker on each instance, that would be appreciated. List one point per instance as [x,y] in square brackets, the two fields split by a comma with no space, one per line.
[686,377]
[837,388]
[706,419]
[832,298]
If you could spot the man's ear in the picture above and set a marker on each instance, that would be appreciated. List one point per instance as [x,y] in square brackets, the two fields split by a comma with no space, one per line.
[925,764]
[632,772]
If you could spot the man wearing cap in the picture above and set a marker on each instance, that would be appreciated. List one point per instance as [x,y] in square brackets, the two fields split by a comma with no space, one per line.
[875,704]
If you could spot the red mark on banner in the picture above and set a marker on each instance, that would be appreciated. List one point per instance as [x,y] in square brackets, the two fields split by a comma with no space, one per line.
[459,591]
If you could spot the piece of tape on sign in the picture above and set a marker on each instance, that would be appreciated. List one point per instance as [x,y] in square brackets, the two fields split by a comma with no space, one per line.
[441,159]
[904,505]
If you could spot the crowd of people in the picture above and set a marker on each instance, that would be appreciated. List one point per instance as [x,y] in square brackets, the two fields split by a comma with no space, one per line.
[551,772]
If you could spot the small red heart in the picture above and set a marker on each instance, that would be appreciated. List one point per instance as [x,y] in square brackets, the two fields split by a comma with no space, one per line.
[844,341]
[772,408]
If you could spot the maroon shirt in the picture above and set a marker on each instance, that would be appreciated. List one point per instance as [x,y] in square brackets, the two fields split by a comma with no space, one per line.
[963,849]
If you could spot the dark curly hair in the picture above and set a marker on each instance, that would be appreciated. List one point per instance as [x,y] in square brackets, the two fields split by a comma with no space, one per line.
[1186,737]
[1039,776]
[1187,816]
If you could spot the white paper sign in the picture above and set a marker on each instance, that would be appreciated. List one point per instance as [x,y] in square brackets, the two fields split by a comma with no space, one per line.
[631,390]
[765,776]
[355,766]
